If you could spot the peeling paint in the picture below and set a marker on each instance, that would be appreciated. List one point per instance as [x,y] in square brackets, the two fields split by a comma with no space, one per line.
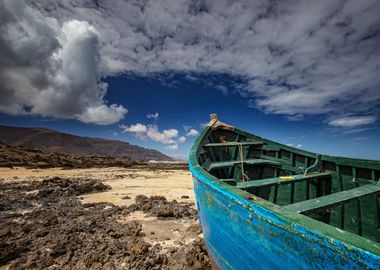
[257,238]
[247,232]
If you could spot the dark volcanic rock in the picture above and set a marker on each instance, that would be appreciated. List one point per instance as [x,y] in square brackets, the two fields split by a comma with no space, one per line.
[159,207]
[54,228]
[58,187]
[43,225]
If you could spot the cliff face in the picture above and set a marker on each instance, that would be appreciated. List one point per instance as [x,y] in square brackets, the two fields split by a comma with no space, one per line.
[48,140]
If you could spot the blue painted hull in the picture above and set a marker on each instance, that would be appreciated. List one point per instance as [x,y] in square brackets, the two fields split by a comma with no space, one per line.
[243,235]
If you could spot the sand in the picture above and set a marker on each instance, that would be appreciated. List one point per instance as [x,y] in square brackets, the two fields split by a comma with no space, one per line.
[173,184]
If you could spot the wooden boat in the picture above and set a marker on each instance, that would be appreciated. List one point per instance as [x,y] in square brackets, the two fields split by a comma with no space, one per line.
[265,205]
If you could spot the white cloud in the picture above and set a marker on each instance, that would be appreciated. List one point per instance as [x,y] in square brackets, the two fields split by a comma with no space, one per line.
[352,121]
[153,116]
[292,145]
[50,68]
[297,58]
[173,147]
[103,114]
[137,128]
[167,136]
[192,132]
[182,139]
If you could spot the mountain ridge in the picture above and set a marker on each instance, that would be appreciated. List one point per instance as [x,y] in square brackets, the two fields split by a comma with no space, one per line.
[50,140]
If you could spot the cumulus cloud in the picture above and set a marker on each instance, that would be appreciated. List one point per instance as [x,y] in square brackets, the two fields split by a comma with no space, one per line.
[153,116]
[137,128]
[295,58]
[192,132]
[167,136]
[182,139]
[103,114]
[51,68]
[352,121]
[173,147]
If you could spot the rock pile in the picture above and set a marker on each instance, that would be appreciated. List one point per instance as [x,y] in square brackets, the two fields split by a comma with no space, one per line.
[43,225]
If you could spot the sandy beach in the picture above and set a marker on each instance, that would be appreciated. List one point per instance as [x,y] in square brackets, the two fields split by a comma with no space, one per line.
[173,184]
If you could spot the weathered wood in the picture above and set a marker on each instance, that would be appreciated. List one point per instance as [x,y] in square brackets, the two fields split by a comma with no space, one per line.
[334,199]
[229,181]
[230,144]
[282,180]
[358,163]
[249,218]
[341,188]
[225,164]
[270,148]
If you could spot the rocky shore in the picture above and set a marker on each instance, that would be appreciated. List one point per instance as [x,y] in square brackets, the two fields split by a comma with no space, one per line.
[45,225]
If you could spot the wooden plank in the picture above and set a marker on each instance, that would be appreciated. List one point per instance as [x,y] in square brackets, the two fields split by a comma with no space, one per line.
[334,199]
[292,192]
[229,181]
[235,154]
[275,196]
[341,188]
[268,147]
[352,162]
[282,180]
[229,144]
[286,165]
[359,204]
[224,164]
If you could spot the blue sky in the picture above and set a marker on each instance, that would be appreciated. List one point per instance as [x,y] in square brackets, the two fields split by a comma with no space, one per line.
[184,104]
[304,74]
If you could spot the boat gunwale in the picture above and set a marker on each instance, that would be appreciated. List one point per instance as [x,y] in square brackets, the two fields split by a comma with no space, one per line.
[296,222]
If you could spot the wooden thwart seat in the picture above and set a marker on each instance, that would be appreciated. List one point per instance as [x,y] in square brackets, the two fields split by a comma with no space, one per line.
[339,198]
[230,181]
[228,144]
[225,164]
[282,180]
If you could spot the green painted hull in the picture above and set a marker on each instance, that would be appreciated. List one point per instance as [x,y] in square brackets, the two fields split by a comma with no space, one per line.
[264,205]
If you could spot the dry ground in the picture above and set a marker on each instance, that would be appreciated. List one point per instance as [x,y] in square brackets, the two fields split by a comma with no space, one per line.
[171,234]
[173,184]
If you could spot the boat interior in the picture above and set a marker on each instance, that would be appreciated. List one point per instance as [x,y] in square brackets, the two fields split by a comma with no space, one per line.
[342,192]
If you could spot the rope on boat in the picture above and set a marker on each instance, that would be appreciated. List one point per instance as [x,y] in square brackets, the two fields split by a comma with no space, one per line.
[244,177]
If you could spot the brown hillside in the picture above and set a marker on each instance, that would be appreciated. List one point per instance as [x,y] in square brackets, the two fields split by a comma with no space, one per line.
[48,140]
[17,156]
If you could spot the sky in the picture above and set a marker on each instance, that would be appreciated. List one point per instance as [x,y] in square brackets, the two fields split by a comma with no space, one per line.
[303,73]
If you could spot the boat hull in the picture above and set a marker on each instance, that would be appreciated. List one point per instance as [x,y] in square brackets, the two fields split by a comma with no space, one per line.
[240,234]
